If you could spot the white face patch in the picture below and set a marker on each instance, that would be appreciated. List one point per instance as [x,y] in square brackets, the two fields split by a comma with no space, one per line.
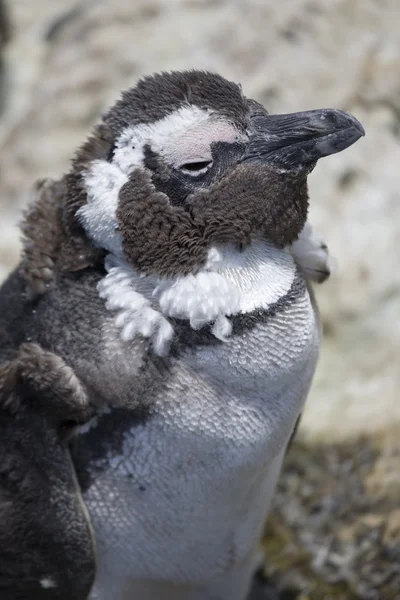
[183,136]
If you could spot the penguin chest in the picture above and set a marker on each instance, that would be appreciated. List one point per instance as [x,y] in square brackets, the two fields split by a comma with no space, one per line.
[252,388]
[184,494]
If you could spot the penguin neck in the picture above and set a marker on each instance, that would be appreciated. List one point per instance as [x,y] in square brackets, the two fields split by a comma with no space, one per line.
[262,273]
[232,282]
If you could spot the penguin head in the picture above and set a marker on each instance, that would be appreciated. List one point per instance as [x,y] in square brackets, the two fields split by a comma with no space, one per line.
[184,161]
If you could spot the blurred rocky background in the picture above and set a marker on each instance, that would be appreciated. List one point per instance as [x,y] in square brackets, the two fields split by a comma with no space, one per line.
[335,533]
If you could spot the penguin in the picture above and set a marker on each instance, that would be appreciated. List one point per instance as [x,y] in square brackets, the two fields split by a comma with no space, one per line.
[169,269]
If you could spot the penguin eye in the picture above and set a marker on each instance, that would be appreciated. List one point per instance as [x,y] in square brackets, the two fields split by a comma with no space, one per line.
[196,167]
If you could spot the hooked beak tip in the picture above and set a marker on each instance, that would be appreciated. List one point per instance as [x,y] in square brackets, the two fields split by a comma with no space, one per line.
[328,121]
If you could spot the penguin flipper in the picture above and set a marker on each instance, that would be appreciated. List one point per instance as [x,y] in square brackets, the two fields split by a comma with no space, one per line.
[45,537]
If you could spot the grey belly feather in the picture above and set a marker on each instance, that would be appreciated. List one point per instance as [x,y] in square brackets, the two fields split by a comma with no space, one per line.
[181,494]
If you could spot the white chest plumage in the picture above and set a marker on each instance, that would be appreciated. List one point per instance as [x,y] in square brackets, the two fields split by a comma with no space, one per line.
[184,498]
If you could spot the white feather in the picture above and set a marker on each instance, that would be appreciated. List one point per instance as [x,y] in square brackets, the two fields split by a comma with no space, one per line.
[312,256]
[48,582]
[222,328]
[103,182]
[135,315]
[161,135]
[233,282]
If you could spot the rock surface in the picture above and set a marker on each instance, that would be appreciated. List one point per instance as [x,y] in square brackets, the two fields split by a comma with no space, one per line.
[67,62]
[335,530]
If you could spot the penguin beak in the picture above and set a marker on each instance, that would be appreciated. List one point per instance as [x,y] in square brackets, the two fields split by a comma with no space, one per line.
[299,139]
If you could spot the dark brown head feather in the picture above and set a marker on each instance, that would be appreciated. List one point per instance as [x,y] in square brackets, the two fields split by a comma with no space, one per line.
[253,201]
[48,243]
[249,203]
[158,238]
[156,96]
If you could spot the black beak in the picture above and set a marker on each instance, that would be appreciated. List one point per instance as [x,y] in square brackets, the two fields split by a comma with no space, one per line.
[300,139]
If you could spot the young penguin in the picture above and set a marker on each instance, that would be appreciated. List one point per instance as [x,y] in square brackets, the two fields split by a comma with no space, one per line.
[171,279]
